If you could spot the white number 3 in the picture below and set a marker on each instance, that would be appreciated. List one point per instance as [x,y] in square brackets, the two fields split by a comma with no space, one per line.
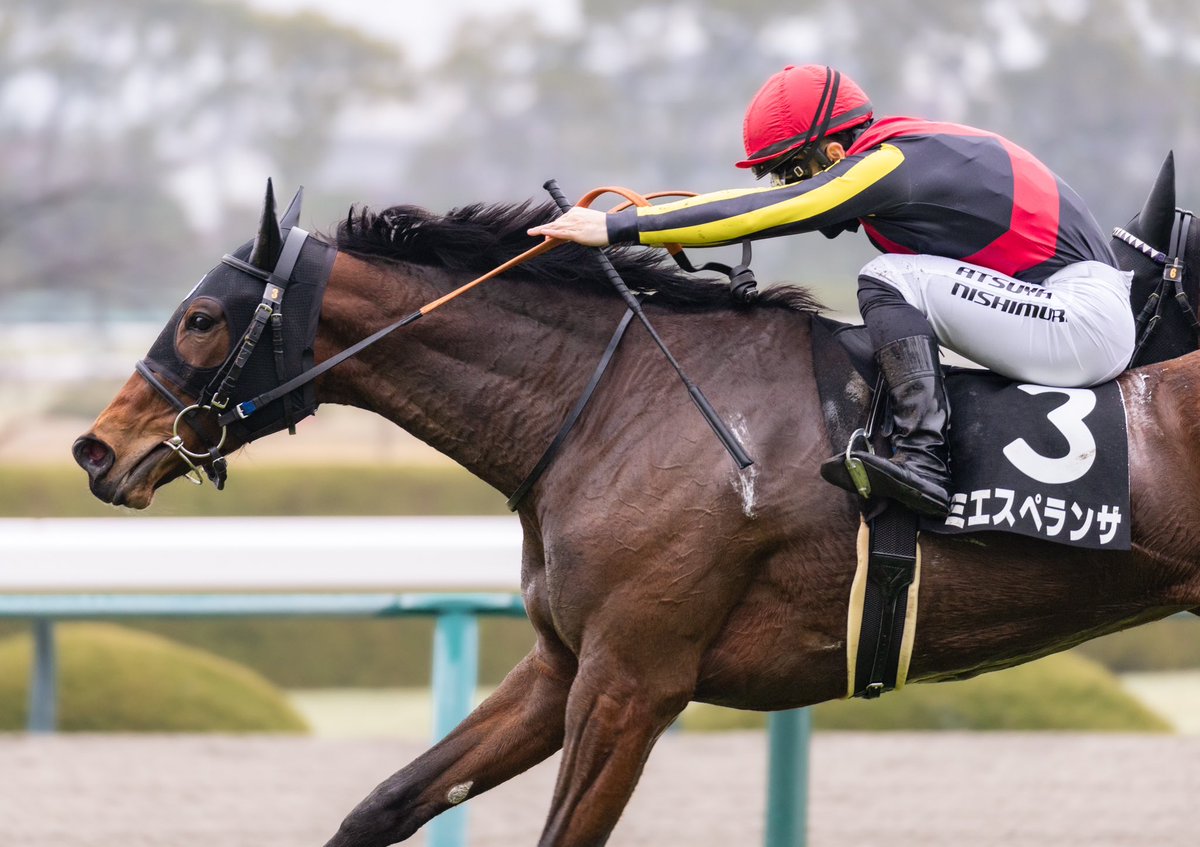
[1068,419]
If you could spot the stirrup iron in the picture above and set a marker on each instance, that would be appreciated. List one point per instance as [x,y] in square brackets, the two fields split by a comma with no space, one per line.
[854,465]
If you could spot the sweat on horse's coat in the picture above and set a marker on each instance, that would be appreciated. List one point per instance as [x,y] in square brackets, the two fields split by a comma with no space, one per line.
[744,479]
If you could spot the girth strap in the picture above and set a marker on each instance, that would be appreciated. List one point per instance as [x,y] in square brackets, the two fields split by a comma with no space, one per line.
[891,568]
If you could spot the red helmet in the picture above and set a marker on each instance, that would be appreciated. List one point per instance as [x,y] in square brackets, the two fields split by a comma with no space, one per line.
[797,107]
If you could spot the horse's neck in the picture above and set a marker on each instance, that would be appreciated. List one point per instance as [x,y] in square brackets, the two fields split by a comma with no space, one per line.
[1164,437]
[485,379]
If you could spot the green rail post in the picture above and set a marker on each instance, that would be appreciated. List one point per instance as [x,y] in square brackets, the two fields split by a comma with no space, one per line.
[455,673]
[787,778]
[43,683]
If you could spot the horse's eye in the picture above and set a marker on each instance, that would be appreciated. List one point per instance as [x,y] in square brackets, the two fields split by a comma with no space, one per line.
[200,322]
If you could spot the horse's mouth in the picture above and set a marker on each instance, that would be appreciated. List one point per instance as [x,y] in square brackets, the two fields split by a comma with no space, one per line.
[136,488]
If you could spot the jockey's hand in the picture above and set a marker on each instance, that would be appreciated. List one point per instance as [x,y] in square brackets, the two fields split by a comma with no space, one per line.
[583,226]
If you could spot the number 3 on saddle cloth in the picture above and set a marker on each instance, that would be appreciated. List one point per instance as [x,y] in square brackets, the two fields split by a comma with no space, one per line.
[1050,463]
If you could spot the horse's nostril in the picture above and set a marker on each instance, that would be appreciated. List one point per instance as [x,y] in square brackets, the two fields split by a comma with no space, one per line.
[92,454]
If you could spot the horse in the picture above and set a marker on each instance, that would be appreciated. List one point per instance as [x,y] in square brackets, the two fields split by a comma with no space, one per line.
[654,571]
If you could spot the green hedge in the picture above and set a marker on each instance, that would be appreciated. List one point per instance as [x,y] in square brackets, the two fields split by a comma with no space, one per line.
[37,491]
[349,653]
[1167,645]
[114,679]
[335,653]
[307,653]
[1061,692]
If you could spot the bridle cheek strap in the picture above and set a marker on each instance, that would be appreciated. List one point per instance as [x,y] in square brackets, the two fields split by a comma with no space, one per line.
[215,396]
[1172,277]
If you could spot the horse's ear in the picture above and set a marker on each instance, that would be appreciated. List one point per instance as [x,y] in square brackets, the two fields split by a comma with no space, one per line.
[1158,213]
[291,217]
[268,243]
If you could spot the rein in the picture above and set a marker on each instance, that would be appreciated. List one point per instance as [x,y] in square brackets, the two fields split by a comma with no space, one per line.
[1172,277]
[216,394]
[247,408]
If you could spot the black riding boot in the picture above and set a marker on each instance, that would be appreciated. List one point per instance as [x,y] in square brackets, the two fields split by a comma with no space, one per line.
[917,474]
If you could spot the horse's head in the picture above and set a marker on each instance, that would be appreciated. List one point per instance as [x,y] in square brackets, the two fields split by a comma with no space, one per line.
[227,343]
[1149,245]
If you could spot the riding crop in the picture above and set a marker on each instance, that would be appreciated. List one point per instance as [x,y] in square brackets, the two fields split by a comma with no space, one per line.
[731,444]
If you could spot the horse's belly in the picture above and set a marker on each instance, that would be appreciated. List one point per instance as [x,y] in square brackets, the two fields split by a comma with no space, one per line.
[784,646]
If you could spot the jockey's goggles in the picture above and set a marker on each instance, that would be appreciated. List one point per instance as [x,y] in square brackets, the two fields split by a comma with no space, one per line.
[788,168]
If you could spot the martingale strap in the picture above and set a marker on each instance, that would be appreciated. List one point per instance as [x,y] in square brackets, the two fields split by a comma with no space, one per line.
[572,416]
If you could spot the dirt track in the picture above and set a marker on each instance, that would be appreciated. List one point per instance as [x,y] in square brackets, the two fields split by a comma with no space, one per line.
[701,791]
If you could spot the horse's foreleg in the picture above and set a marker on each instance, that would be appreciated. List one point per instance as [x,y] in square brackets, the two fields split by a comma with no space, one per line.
[518,726]
[615,714]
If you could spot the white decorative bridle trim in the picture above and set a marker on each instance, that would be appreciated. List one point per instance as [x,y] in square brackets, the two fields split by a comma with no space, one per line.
[1137,244]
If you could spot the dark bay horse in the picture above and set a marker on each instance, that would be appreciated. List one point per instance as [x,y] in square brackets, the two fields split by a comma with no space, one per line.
[654,571]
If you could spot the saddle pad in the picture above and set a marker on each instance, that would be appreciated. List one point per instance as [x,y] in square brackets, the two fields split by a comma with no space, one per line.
[1050,463]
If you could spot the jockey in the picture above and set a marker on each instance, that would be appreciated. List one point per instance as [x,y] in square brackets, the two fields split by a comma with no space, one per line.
[984,249]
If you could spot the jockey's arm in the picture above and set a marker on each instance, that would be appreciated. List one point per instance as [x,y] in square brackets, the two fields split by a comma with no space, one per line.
[853,188]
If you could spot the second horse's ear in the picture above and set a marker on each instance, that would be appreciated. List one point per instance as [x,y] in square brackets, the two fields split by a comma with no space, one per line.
[269,242]
[1158,213]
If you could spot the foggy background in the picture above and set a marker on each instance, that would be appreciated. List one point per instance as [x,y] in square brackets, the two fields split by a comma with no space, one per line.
[136,135]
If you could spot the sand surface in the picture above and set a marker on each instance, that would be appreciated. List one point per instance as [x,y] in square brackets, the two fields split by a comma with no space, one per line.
[703,791]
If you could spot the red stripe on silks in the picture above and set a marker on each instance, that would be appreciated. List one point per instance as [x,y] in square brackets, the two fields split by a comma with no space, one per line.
[1032,235]
[885,245]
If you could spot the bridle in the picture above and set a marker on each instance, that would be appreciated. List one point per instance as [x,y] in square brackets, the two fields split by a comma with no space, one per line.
[215,396]
[1172,278]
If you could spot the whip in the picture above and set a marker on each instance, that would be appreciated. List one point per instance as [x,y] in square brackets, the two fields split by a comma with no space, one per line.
[731,444]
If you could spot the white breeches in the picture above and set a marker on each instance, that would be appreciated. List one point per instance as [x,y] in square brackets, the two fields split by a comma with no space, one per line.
[1075,330]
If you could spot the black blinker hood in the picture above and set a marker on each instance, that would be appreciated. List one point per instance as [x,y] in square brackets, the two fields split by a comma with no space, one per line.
[240,293]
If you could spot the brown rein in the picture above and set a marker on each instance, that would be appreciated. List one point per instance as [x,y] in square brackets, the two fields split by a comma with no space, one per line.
[632,198]
[727,438]
[247,408]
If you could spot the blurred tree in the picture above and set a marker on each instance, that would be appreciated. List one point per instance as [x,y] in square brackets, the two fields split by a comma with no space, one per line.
[650,93]
[107,106]
[185,99]
[1107,94]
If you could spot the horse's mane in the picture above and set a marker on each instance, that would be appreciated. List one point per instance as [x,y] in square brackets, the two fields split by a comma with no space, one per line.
[479,237]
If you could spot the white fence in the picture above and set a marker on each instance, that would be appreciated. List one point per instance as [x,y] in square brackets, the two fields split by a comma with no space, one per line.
[259,554]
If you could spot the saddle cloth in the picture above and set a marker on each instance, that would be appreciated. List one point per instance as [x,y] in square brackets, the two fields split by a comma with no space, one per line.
[1049,463]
